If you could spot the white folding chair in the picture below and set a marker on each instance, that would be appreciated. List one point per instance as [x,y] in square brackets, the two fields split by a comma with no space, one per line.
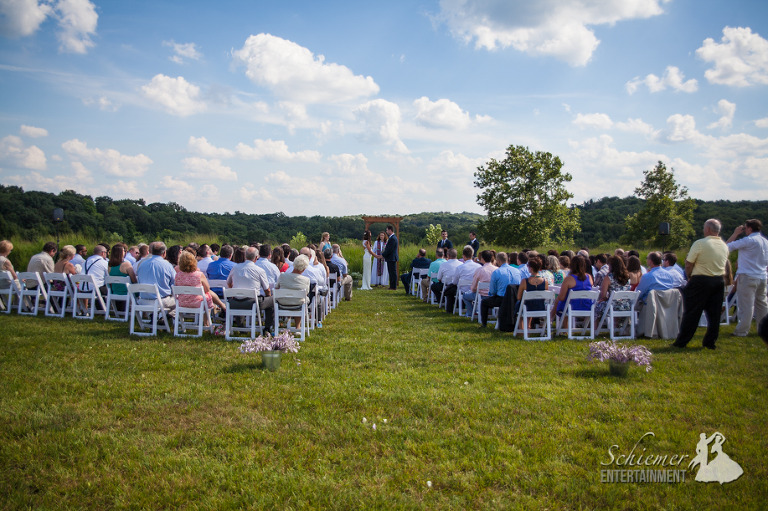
[611,314]
[113,300]
[334,290]
[293,311]
[151,307]
[85,297]
[198,314]
[312,307]
[729,304]
[414,288]
[8,291]
[481,286]
[252,316]
[570,315]
[60,294]
[432,296]
[544,331]
[31,291]
[458,304]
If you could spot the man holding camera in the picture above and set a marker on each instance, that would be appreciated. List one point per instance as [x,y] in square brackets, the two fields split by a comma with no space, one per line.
[751,274]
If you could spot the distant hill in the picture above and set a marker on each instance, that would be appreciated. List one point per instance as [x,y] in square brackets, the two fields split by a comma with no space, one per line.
[27,215]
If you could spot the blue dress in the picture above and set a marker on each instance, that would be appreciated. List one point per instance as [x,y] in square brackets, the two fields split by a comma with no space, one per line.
[581,304]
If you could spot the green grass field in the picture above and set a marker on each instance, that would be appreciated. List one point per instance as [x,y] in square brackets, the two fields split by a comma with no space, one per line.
[93,419]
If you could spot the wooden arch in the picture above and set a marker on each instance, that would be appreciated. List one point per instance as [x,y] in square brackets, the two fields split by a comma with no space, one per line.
[395,221]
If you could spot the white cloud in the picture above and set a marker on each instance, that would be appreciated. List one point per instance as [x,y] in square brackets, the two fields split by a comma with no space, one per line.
[638,126]
[110,160]
[681,128]
[183,51]
[727,110]
[547,27]
[104,104]
[176,95]
[20,18]
[33,132]
[204,148]
[381,123]
[442,113]
[673,78]
[597,121]
[298,186]
[276,150]
[82,174]
[295,73]
[176,187]
[124,189]
[202,168]
[249,193]
[762,123]
[740,60]
[14,153]
[78,20]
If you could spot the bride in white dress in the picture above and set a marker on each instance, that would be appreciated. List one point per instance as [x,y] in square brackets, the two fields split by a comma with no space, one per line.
[379,274]
[367,257]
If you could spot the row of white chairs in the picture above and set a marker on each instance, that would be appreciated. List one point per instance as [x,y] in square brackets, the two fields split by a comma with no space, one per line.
[58,295]
[576,324]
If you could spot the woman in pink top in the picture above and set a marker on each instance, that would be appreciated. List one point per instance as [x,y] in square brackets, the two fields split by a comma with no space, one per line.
[189,275]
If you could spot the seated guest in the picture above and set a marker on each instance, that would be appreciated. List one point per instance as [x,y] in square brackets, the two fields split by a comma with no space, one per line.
[143,254]
[421,262]
[346,279]
[558,275]
[215,248]
[278,259]
[130,254]
[118,266]
[657,278]
[5,263]
[482,274]
[446,271]
[294,280]
[546,272]
[434,268]
[238,256]
[220,268]
[97,267]
[264,261]
[465,271]
[616,280]
[64,265]
[204,258]
[533,283]
[190,275]
[247,275]
[43,262]
[580,279]
[81,252]
[522,265]
[601,269]
[501,277]
[669,263]
[154,269]
[635,271]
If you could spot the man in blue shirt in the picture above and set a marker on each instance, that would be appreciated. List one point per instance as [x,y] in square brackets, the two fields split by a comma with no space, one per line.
[156,270]
[503,276]
[220,268]
[657,278]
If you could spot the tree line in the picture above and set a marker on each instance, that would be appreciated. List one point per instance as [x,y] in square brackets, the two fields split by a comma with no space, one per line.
[28,215]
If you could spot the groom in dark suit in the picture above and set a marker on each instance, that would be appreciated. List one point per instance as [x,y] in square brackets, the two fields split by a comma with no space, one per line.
[390,255]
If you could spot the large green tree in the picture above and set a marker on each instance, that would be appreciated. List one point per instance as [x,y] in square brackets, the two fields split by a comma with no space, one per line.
[526,199]
[665,201]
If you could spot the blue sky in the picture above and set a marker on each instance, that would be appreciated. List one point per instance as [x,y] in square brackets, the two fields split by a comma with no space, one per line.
[338,108]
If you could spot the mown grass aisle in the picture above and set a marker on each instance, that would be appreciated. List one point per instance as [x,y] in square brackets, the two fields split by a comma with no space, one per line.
[90,418]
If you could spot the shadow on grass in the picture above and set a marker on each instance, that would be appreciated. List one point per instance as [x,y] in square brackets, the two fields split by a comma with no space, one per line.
[244,368]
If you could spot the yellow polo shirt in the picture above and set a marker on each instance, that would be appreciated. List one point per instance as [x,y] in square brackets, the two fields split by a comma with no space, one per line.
[708,256]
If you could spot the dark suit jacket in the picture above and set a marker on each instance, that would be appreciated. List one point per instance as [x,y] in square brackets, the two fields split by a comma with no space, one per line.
[445,244]
[390,250]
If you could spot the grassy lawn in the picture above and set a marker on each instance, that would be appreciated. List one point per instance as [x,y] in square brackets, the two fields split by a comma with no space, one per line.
[90,418]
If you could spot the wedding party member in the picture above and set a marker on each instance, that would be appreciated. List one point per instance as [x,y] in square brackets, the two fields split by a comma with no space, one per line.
[444,242]
[705,265]
[379,275]
[750,274]
[325,241]
[367,261]
[474,243]
[391,255]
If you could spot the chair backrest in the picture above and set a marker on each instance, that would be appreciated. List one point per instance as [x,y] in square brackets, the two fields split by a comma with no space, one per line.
[29,279]
[464,283]
[483,286]
[240,293]
[582,295]
[290,293]
[135,289]
[110,279]
[546,295]
[79,281]
[632,296]
[52,278]
[188,290]
[6,280]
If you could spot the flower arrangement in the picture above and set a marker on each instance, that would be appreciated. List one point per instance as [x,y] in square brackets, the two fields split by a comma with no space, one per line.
[284,342]
[621,353]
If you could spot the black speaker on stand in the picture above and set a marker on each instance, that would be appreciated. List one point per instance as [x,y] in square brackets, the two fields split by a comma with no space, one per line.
[664,231]
[58,217]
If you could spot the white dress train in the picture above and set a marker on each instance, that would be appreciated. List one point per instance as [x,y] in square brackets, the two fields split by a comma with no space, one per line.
[367,257]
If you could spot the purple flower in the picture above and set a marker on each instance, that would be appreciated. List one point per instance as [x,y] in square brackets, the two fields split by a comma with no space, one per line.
[608,350]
